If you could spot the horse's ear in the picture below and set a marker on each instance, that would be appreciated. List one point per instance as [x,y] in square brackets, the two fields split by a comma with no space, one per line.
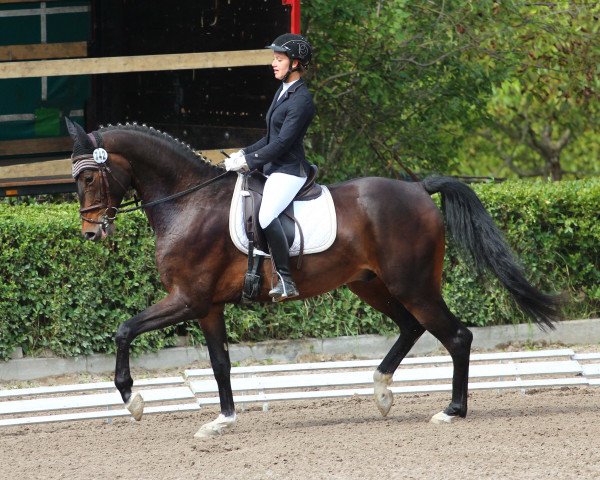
[75,130]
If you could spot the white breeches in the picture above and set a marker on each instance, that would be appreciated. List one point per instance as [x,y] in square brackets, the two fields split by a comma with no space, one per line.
[280,189]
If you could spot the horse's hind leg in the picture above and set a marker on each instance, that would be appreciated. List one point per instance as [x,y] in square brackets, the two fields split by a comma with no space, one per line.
[435,316]
[375,294]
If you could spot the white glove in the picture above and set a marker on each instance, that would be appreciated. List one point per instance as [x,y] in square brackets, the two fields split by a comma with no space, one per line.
[239,153]
[235,163]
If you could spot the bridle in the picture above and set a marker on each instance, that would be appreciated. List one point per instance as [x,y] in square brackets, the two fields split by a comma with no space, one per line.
[98,160]
[104,171]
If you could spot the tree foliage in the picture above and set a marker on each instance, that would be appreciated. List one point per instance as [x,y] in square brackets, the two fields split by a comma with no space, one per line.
[461,87]
[546,109]
[390,85]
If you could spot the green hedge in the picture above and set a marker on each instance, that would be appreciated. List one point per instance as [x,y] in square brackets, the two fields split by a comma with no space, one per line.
[61,293]
[555,231]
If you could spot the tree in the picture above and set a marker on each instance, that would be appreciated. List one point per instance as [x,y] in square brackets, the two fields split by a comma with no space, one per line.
[551,53]
[442,86]
[393,91]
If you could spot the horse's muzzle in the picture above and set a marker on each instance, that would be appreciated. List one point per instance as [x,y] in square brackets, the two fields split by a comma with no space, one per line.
[96,233]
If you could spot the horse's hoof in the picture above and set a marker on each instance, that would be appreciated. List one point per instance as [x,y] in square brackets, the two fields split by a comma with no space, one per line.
[443,418]
[384,398]
[136,406]
[217,427]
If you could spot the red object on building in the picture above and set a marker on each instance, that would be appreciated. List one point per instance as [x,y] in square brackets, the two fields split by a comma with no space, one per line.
[294,14]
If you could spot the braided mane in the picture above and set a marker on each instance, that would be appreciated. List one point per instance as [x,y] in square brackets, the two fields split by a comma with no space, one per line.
[183,148]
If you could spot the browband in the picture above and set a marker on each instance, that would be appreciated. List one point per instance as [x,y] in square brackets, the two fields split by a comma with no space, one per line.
[90,161]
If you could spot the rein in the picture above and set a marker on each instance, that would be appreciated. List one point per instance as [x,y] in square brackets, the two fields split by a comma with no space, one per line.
[166,199]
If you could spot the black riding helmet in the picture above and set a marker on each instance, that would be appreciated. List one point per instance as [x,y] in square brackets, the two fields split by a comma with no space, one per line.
[296,47]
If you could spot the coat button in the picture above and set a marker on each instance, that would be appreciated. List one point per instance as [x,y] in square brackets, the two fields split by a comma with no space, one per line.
[256,155]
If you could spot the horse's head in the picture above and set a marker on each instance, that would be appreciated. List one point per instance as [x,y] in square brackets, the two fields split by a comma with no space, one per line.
[102,179]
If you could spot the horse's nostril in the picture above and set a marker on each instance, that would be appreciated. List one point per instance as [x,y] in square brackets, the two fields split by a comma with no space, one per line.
[89,235]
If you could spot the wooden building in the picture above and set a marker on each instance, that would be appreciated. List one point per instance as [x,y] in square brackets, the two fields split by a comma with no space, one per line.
[196,69]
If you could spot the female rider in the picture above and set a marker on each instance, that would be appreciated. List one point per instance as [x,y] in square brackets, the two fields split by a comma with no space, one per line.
[280,153]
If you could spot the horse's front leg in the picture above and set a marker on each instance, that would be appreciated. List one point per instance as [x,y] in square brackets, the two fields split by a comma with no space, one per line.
[215,333]
[169,311]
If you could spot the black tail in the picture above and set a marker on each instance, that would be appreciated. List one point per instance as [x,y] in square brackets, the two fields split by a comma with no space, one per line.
[475,232]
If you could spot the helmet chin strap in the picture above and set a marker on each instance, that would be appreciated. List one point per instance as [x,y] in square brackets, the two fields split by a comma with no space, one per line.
[291,70]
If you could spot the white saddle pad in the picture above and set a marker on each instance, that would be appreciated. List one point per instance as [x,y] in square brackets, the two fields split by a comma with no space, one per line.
[316,217]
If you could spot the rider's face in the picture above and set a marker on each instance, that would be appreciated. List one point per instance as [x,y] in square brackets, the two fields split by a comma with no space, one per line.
[280,64]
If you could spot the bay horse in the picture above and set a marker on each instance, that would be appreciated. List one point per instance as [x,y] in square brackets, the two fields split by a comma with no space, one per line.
[389,251]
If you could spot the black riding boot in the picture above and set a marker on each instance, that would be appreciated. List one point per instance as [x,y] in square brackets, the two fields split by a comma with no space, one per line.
[280,252]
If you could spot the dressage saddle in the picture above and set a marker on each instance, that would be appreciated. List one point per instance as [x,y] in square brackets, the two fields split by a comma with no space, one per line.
[252,191]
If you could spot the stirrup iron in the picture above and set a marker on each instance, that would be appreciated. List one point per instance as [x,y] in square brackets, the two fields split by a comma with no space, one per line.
[284,289]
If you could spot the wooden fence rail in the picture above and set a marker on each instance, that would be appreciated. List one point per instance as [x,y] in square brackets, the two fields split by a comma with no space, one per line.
[135,63]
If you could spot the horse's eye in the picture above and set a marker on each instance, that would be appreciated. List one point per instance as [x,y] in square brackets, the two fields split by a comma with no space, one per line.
[88,179]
